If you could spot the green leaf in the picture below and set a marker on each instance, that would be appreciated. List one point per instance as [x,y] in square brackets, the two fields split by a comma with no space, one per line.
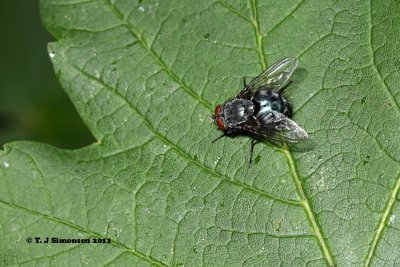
[145,76]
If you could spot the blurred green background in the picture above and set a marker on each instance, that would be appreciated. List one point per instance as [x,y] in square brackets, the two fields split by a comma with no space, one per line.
[33,106]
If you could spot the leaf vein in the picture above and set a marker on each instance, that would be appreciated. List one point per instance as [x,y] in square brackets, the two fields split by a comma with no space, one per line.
[382,222]
[231,9]
[49,256]
[82,229]
[286,17]
[157,57]
[42,178]
[371,46]
[395,190]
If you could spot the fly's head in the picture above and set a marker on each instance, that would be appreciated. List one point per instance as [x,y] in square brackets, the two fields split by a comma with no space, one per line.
[218,118]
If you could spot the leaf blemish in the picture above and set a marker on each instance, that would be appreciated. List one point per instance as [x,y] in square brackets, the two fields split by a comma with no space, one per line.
[363,100]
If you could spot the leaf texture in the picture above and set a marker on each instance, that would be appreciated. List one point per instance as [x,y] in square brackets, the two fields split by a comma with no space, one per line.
[145,77]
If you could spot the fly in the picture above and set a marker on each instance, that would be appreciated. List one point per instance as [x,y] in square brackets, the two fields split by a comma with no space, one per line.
[260,110]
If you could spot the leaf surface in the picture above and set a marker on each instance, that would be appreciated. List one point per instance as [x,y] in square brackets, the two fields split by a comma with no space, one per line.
[145,76]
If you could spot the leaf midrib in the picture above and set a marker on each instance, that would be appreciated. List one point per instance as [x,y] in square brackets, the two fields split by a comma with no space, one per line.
[322,240]
[394,192]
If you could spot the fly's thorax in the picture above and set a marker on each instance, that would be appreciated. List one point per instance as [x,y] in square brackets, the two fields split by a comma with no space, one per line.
[266,100]
[237,111]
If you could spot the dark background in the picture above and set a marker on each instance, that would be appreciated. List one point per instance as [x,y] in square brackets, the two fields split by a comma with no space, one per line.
[33,106]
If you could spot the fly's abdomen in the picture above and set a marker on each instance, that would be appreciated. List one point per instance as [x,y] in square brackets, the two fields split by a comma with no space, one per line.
[266,101]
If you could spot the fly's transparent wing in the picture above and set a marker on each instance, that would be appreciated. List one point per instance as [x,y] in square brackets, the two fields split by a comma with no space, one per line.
[274,78]
[275,126]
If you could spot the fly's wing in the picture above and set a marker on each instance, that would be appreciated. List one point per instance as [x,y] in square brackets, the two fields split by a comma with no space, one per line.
[277,127]
[274,78]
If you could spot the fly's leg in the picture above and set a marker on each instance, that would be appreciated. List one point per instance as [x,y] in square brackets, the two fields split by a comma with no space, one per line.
[288,108]
[286,111]
[280,91]
[253,143]
[216,139]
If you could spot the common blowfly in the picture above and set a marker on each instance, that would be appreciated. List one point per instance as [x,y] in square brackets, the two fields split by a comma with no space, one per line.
[260,110]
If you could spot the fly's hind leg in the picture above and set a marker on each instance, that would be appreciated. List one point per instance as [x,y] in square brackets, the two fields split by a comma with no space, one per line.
[280,91]
[244,82]
[287,107]
[253,143]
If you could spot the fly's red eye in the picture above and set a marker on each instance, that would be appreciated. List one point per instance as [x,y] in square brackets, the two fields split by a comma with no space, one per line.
[217,117]
[220,123]
[217,110]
